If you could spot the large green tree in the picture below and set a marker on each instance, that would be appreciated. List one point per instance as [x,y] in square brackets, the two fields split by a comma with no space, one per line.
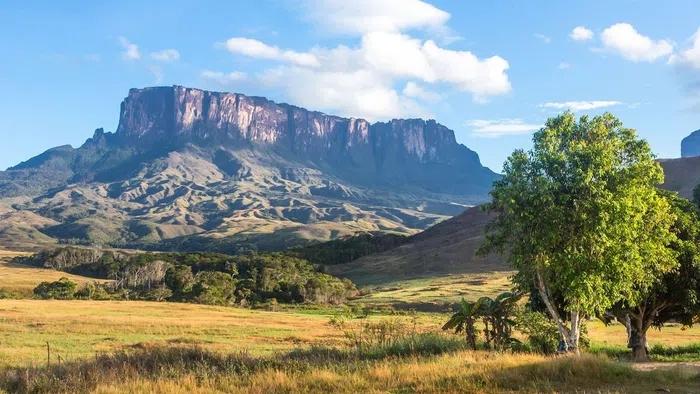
[676,295]
[580,218]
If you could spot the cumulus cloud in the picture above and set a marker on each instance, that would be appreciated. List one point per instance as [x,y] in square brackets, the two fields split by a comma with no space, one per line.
[689,57]
[166,55]
[364,16]
[417,91]
[223,78]
[501,127]
[258,49]
[577,106]
[130,50]
[623,39]
[387,72]
[371,71]
[581,33]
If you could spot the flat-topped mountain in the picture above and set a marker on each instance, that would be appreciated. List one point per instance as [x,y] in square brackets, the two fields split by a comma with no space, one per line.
[191,166]
[690,145]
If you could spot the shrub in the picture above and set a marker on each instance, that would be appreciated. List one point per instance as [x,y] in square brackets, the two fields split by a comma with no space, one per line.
[62,289]
[542,333]
[93,291]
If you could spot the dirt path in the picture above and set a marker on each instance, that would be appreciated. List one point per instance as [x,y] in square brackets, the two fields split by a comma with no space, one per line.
[691,366]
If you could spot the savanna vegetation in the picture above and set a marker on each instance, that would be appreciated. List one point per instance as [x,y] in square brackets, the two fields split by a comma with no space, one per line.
[606,269]
[205,278]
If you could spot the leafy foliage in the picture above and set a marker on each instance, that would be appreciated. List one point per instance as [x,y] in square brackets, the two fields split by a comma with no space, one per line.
[209,278]
[580,216]
[62,289]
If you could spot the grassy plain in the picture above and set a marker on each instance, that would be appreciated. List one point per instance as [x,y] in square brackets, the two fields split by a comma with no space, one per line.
[77,331]
[20,280]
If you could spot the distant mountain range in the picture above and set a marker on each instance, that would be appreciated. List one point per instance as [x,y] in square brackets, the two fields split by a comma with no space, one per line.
[188,168]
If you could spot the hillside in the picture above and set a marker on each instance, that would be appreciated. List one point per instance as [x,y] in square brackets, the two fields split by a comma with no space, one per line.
[682,175]
[449,247]
[228,172]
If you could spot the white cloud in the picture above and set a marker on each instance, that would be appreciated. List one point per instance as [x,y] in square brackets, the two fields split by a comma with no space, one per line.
[258,49]
[131,50]
[623,39]
[691,56]
[387,73]
[545,39]
[359,93]
[416,91]
[381,63]
[166,55]
[564,66]
[222,78]
[501,127]
[576,106]
[581,33]
[364,16]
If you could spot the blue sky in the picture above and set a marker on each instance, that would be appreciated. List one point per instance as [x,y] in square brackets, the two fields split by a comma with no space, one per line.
[491,71]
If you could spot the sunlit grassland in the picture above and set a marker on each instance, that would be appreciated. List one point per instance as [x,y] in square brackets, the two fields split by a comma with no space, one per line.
[319,371]
[440,289]
[20,280]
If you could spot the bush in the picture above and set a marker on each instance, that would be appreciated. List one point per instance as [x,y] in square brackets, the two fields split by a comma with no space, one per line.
[542,333]
[93,291]
[62,289]
[159,294]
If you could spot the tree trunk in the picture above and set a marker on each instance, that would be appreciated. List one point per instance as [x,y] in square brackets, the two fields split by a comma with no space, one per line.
[574,333]
[564,332]
[637,341]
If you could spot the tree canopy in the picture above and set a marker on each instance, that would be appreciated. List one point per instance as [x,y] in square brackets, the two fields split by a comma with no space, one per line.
[579,216]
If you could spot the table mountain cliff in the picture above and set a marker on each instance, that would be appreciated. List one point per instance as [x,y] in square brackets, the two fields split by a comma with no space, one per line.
[188,167]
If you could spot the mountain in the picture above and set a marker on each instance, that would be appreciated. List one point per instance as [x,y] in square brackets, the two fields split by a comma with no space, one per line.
[690,145]
[188,168]
[450,246]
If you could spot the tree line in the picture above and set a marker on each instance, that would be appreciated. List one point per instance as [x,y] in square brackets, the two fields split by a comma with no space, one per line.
[207,278]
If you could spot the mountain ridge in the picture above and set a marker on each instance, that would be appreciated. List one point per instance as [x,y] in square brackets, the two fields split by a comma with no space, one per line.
[186,162]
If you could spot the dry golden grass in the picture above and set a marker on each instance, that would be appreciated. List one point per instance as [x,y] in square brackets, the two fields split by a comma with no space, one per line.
[461,372]
[21,279]
[78,329]
[440,289]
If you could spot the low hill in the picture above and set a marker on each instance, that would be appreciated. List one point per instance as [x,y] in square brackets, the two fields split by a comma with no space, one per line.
[449,247]
[682,175]
[446,248]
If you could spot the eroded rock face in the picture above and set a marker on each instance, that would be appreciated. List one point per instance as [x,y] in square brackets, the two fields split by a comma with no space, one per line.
[405,150]
[690,145]
[187,162]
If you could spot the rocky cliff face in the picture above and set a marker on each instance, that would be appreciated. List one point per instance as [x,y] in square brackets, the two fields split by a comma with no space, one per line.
[399,151]
[690,145]
[187,161]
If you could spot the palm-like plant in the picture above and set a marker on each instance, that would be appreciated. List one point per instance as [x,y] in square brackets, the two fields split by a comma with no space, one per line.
[464,320]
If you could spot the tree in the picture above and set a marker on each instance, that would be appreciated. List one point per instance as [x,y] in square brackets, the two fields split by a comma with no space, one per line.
[62,289]
[464,320]
[676,295]
[213,288]
[179,280]
[581,220]
[498,316]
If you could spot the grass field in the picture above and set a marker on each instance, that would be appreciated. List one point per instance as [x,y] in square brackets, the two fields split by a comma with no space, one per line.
[446,289]
[76,331]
